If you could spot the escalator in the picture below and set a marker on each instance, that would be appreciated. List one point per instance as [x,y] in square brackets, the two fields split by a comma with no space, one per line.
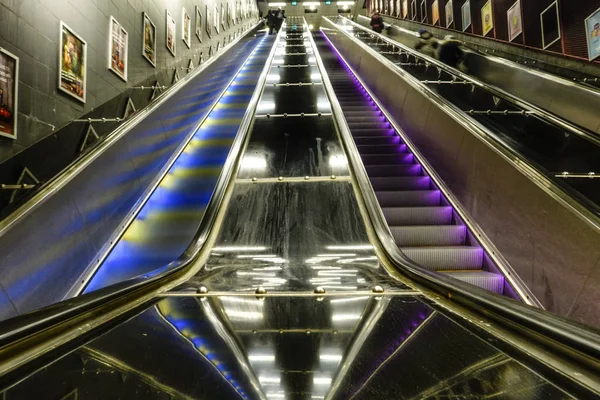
[422,221]
[288,291]
[171,215]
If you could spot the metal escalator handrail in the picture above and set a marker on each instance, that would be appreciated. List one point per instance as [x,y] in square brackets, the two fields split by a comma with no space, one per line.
[541,326]
[497,144]
[32,335]
[510,63]
[523,104]
[78,165]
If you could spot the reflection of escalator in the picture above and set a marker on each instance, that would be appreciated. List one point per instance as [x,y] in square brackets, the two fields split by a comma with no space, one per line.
[171,215]
[421,219]
[291,299]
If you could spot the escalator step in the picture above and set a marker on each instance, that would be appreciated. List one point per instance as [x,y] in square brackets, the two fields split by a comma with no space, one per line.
[386,159]
[393,170]
[382,149]
[373,119]
[410,198]
[363,113]
[429,235]
[351,108]
[485,280]
[368,140]
[401,183]
[376,132]
[361,124]
[446,258]
[418,215]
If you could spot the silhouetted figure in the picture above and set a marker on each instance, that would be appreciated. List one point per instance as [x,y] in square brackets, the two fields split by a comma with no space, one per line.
[279,17]
[376,22]
[447,50]
[271,21]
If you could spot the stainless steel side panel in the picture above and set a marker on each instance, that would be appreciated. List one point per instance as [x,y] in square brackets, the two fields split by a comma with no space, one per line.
[555,253]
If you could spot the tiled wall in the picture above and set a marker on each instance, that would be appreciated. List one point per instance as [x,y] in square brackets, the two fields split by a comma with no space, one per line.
[30,30]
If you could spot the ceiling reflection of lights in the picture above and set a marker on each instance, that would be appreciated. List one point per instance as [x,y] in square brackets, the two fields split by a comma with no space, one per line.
[338,161]
[337,273]
[350,247]
[325,267]
[278,260]
[269,379]
[317,397]
[339,287]
[311,60]
[267,269]
[240,248]
[254,162]
[330,357]
[275,396]
[323,105]
[256,255]
[228,299]
[349,300]
[337,255]
[344,317]
[321,381]
[266,106]
[263,274]
[273,78]
[244,314]
[315,77]
[261,358]
[311,3]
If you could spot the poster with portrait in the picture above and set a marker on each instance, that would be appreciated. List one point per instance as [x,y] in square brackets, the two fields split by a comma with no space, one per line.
[449,13]
[9,82]
[117,49]
[186,28]
[209,21]
[72,63]
[592,29]
[435,12]
[198,24]
[171,33]
[487,19]
[216,19]
[149,40]
[515,25]
[404,8]
[465,12]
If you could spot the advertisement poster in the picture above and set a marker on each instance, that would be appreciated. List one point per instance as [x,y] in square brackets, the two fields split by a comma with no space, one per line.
[149,40]
[186,26]
[216,19]
[222,16]
[171,34]
[198,24]
[487,20]
[515,25]
[117,49]
[449,13]
[592,28]
[9,80]
[73,63]
[209,21]
[466,15]
[435,12]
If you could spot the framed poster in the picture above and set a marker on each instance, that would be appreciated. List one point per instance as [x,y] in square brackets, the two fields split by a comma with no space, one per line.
[117,49]
[228,15]
[592,30]
[550,25]
[216,19]
[423,11]
[149,40]
[449,10]
[404,8]
[171,34]
[186,26]
[515,25]
[198,24]
[222,16]
[466,15]
[413,10]
[435,12]
[72,63]
[487,20]
[9,93]
[209,21]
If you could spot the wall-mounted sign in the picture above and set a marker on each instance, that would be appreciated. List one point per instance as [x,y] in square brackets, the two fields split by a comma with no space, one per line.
[404,8]
[209,21]
[216,19]
[487,18]
[171,33]
[449,10]
[592,29]
[515,24]
[423,11]
[149,40]
[118,43]
[550,21]
[198,24]
[73,63]
[9,83]
[186,28]
[466,15]
[435,12]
